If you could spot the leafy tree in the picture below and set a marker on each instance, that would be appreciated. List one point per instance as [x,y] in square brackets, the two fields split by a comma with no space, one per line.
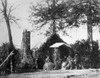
[67,13]
[89,9]
[54,12]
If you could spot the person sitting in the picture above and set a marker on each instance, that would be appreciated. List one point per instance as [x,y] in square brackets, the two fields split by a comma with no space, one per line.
[48,64]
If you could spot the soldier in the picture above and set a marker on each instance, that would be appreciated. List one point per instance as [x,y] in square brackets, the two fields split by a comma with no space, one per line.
[64,63]
[76,61]
[70,62]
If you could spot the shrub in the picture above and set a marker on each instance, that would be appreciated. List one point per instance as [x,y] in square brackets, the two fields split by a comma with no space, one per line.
[87,58]
[4,52]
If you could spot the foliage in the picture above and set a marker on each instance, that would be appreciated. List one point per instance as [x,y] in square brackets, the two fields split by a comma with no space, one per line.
[88,8]
[95,55]
[18,66]
[91,59]
[4,52]
[80,47]
[66,12]
[51,11]
[24,64]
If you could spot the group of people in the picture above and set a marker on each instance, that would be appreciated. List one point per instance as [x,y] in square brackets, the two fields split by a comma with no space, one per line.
[71,63]
[66,63]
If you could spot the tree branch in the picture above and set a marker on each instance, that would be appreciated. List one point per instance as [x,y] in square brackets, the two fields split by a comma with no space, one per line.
[2,3]
[14,20]
[11,9]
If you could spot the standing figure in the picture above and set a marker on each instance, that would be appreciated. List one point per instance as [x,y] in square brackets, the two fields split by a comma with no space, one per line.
[40,62]
[57,59]
[70,62]
[76,61]
[64,63]
[47,59]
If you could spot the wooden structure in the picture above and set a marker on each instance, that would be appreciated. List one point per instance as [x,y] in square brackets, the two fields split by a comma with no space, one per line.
[45,49]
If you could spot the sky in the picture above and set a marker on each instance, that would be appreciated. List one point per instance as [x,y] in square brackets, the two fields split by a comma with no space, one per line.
[22,12]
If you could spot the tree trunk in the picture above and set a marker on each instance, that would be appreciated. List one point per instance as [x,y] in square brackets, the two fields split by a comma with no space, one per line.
[54,21]
[6,17]
[9,32]
[90,39]
[54,27]
[90,35]
[10,40]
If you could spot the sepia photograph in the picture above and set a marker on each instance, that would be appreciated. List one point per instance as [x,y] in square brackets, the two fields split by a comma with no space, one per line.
[49,38]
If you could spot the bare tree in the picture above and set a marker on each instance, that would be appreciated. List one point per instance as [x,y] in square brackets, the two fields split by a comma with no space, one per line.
[9,18]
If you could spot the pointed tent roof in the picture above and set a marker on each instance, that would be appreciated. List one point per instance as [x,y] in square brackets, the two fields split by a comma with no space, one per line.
[54,38]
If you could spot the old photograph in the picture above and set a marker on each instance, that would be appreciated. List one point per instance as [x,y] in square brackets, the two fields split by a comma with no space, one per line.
[49,38]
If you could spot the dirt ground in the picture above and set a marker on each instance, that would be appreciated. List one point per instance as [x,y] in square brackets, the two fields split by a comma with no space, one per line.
[85,73]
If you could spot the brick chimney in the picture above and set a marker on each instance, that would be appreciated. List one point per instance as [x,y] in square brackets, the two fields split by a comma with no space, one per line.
[25,45]
[26,40]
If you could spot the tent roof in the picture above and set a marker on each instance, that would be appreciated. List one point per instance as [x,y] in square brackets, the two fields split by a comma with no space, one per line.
[58,44]
[52,39]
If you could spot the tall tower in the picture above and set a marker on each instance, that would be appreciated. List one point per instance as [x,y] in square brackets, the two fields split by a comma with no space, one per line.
[25,45]
[26,40]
